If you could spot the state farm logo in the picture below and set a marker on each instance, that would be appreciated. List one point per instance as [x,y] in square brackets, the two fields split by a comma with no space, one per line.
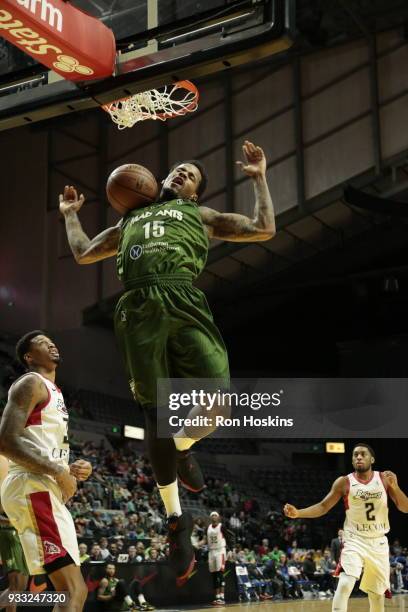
[34,44]
[66,63]
[45,11]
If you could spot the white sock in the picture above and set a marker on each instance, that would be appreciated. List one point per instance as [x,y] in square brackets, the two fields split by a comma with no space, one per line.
[343,592]
[128,600]
[170,497]
[181,440]
[141,598]
[376,602]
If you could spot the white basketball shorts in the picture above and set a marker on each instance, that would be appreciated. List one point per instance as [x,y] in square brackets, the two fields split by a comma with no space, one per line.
[45,526]
[369,557]
[216,560]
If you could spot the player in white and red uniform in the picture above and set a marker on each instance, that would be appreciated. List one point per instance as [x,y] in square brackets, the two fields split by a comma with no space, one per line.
[365,547]
[34,437]
[217,552]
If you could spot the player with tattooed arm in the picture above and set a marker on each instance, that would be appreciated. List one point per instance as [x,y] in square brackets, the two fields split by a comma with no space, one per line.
[34,437]
[162,322]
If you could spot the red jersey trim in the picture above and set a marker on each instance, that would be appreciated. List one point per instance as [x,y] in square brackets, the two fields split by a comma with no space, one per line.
[35,416]
[51,544]
[364,482]
[345,497]
[384,484]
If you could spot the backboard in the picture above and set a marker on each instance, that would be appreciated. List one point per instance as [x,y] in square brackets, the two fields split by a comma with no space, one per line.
[158,42]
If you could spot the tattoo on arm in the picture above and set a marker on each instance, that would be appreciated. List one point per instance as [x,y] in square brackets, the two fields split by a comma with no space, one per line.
[88,251]
[264,215]
[24,397]
[78,240]
[232,226]
[240,228]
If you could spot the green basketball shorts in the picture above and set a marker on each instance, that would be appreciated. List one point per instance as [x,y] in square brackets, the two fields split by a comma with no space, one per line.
[11,552]
[165,329]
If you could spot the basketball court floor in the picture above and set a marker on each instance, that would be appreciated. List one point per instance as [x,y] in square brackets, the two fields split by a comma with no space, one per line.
[399,603]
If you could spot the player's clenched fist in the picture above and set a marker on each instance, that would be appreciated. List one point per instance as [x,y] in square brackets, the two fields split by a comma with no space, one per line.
[81,469]
[290,511]
[390,479]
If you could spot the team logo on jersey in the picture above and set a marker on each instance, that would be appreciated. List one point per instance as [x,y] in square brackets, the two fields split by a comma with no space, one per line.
[365,495]
[135,251]
[50,548]
[61,406]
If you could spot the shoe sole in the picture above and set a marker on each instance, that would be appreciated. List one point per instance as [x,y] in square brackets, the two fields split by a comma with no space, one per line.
[189,487]
[181,580]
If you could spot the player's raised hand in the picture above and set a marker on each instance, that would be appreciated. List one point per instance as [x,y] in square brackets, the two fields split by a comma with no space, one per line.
[290,511]
[81,469]
[390,479]
[255,161]
[69,201]
[67,483]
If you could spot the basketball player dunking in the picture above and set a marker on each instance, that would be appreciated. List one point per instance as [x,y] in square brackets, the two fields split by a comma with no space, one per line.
[365,546]
[162,323]
[217,553]
[34,437]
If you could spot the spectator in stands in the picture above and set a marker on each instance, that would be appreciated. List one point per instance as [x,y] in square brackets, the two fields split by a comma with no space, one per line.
[264,548]
[140,551]
[327,567]
[276,584]
[95,554]
[309,567]
[83,553]
[291,588]
[276,554]
[140,533]
[258,581]
[103,545]
[396,548]
[96,524]
[153,555]
[336,545]
[132,554]
[235,523]
[113,551]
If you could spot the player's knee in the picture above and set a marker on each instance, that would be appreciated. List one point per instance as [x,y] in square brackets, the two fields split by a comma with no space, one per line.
[343,592]
[82,592]
[221,410]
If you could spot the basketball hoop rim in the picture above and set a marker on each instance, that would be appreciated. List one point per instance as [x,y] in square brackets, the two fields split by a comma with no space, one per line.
[188,85]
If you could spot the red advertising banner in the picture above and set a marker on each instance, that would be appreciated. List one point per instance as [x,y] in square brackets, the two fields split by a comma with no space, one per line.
[60,36]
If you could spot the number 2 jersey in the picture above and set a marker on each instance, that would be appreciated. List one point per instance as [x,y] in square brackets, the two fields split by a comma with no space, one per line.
[46,429]
[366,507]
[165,239]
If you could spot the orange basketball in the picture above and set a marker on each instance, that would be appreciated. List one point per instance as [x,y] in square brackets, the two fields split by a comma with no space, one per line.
[131,186]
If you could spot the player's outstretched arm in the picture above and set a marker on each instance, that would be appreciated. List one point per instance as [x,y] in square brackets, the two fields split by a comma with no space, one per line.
[24,396]
[240,228]
[84,249]
[337,491]
[397,495]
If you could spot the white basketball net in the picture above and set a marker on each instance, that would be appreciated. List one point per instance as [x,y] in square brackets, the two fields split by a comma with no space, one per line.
[172,101]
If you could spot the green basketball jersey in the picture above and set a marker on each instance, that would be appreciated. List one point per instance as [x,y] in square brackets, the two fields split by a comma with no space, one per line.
[162,239]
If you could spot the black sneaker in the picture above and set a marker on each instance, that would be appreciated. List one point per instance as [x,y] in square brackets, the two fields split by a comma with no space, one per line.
[189,472]
[181,557]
